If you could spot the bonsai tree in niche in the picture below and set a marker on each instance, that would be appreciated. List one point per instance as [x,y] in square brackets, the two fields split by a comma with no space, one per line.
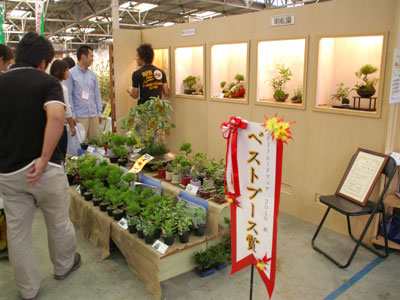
[278,83]
[189,82]
[238,89]
[367,87]
[341,94]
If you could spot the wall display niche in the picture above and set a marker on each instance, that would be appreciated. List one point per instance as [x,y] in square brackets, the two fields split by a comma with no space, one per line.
[350,74]
[161,60]
[281,66]
[189,71]
[229,72]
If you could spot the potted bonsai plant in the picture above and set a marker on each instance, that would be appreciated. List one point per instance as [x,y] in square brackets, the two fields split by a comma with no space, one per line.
[341,95]
[199,217]
[366,88]
[298,95]
[159,166]
[189,83]
[121,152]
[238,90]
[220,195]
[168,172]
[203,260]
[168,229]
[278,83]
[185,162]
[225,90]
[220,256]
[176,174]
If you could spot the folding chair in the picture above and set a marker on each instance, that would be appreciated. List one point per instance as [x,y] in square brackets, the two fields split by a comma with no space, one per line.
[351,209]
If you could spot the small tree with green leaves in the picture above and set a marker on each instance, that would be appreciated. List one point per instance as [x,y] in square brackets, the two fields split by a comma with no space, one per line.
[367,83]
[278,83]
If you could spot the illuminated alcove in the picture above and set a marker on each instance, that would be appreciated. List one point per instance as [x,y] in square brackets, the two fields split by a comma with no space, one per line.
[228,60]
[272,54]
[189,61]
[161,60]
[339,58]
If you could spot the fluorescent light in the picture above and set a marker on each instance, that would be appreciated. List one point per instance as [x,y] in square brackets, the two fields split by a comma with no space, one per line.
[152,23]
[71,29]
[87,29]
[206,14]
[19,13]
[144,7]
[128,5]
[168,24]
[97,19]
[61,38]
[7,26]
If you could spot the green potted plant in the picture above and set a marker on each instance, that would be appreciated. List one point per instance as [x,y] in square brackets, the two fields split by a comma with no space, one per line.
[224,90]
[199,217]
[121,152]
[71,170]
[366,88]
[341,95]
[220,256]
[169,171]
[132,224]
[298,95]
[238,90]
[189,83]
[88,195]
[148,231]
[184,222]
[176,174]
[159,166]
[114,176]
[168,229]
[85,145]
[220,195]
[186,149]
[278,83]
[203,260]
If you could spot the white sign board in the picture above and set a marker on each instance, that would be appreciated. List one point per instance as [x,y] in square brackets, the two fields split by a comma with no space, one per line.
[395,84]
[282,20]
[188,32]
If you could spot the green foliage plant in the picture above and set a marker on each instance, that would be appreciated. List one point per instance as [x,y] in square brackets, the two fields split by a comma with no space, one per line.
[203,260]
[278,83]
[341,93]
[199,216]
[169,227]
[367,83]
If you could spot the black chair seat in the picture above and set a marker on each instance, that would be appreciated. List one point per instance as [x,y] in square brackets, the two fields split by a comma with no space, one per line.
[347,207]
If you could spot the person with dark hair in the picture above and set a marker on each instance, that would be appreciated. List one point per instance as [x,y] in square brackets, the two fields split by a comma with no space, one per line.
[84,93]
[6,56]
[31,164]
[60,69]
[70,61]
[148,81]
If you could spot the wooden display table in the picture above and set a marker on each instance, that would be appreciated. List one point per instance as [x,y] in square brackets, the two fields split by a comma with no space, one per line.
[151,266]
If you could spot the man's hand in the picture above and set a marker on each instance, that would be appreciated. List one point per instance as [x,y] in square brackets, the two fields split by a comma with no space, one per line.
[37,170]
[100,118]
[73,130]
[74,120]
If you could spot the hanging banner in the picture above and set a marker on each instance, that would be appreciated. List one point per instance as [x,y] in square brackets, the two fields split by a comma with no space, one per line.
[2,40]
[252,183]
[39,17]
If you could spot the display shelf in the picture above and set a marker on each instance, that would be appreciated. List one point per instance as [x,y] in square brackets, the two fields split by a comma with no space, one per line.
[335,67]
[189,61]
[285,54]
[161,60]
[227,61]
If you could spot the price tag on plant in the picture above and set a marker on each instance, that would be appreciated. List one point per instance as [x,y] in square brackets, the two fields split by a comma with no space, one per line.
[140,163]
[123,223]
[190,188]
[160,246]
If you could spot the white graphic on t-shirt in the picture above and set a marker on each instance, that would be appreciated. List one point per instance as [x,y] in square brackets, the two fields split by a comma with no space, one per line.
[157,74]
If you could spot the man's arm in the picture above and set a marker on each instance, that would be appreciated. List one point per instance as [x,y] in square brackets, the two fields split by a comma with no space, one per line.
[52,133]
[69,83]
[133,92]
[165,89]
[97,98]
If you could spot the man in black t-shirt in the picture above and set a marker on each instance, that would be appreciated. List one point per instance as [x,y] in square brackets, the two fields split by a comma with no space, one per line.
[148,81]
[31,166]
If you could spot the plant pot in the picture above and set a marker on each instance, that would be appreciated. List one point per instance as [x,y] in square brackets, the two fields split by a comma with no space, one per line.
[149,239]
[84,146]
[176,178]
[208,183]
[196,182]
[161,173]
[140,233]
[219,198]
[88,196]
[110,210]
[366,93]
[157,233]
[169,240]
[185,180]
[168,175]
[71,179]
[118,214]
[184,239]
[205,273]
[132,228]
[282,99]
[97,201]
[199,231]
[204,194]
[219,267]
[83,189]
[103,206]
[296,100]
[114,159]
[122,162]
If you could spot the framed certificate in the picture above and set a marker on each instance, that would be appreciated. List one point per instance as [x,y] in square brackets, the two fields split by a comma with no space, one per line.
[361,176]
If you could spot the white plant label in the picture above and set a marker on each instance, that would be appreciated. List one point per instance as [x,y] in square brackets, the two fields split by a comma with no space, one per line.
[123,223]
[160,246]
[190,188]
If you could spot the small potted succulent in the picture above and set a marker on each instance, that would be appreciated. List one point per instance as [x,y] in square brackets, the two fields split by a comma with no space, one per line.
[278,83]
[148,231]
[366,88]
[341,95]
